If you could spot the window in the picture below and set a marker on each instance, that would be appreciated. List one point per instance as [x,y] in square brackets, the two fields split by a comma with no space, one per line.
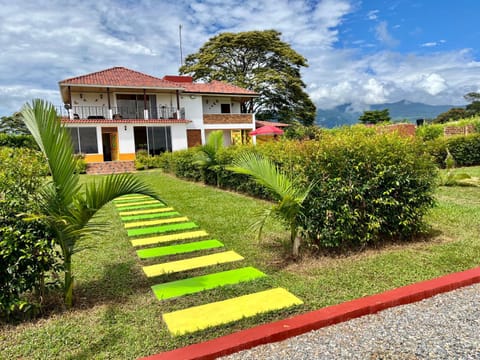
[155,139]
[84,140]
[225,108]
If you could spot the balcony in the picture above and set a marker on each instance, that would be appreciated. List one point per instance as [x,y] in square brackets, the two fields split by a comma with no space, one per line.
[217,119]
[119,113]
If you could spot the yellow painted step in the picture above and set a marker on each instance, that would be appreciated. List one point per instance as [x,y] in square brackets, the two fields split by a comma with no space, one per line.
[167,238]
[193,263]
[146,223]
[222,312]
[145,202]
[147,211]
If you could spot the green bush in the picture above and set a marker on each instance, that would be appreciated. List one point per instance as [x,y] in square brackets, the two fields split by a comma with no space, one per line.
[27,251]
[81,164]
[367,188]
[17,141]
[464,149]
[429,132]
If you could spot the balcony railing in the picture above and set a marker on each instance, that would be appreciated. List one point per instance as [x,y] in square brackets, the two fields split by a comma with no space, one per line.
[118,113]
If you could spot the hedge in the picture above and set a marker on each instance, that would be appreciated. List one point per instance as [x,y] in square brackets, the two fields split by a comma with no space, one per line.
[368,186]
[18,141]
[464,149]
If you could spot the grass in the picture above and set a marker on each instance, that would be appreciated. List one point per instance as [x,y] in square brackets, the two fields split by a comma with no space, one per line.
[116,315]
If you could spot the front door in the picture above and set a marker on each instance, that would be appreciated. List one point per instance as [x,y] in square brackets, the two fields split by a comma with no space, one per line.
[110,143]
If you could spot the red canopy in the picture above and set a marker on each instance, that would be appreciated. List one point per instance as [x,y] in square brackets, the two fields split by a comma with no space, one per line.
[267,130]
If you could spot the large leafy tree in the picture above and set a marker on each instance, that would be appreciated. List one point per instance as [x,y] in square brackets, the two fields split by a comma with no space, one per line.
[474,107]
[64,204]
[13,125]
[258,61]
[452,114]
[375,116]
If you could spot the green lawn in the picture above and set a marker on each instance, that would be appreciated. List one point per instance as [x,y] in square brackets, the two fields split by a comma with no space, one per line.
[116,315]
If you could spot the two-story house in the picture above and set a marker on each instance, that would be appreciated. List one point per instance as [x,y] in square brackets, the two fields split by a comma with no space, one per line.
[116,112]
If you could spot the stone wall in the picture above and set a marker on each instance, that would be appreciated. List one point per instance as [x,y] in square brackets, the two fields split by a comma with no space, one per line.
[458,130]
[111,167]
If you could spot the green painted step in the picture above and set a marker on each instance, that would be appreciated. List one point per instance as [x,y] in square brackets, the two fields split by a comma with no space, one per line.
[169,238]
[178,249]
[141,207]
[131,199]
[200,283]
[149,216]
[222,312]
[192,263]
[162,229]
[137,202]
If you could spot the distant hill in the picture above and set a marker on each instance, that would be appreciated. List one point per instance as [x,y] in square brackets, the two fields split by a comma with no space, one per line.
[344,115]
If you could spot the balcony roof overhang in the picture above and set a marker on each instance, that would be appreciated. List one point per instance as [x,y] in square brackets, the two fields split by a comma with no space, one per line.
[113,88]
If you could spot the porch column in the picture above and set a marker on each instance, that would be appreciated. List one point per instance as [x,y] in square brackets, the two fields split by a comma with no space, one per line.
[145,110]
[110,112]
[70,110]
[178,104]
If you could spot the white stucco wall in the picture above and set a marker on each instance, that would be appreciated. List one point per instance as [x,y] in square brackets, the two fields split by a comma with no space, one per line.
[126,141]
[193,110]
[179,137]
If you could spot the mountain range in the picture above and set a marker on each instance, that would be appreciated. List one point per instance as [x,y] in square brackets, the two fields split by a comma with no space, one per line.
[401,110]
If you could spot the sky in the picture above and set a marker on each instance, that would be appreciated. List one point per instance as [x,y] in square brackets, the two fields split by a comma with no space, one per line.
[359,52]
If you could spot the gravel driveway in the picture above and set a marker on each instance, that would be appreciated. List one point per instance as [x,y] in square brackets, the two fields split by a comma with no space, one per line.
[446,326]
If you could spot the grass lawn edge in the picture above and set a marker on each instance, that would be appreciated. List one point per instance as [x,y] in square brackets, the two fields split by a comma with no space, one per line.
[313,320]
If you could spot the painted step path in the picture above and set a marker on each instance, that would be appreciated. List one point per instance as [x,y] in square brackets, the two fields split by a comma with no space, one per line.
[158,231]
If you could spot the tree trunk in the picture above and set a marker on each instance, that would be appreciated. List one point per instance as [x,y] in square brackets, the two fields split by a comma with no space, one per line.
[296,246]
[68,287]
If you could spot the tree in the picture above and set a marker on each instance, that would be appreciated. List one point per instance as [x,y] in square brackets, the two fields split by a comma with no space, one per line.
[473,108]
[374,116]
[452,114]
[65,205]
[259,61]
[289,192]
[13,125]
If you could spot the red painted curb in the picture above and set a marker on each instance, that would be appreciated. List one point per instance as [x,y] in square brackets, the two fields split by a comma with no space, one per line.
[283,329]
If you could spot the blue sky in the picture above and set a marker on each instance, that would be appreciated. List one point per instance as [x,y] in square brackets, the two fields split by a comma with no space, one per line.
[359,52]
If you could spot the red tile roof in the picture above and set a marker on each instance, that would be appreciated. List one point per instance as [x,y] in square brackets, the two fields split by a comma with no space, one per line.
[217,87]
[261,123]
[123,77]
[120,76]
[66,120]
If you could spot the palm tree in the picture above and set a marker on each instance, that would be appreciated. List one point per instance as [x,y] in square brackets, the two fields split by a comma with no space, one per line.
[67,206]
[208,156]
[289,192]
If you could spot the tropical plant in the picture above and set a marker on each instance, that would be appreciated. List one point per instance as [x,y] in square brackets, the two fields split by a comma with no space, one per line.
[288,191]
[65,205]
[207,158]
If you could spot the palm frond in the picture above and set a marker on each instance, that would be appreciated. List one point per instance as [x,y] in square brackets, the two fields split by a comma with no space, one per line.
[98,194]
[266,173]
[55,143]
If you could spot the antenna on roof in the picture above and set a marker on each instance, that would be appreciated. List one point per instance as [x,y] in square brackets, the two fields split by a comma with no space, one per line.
[180,37]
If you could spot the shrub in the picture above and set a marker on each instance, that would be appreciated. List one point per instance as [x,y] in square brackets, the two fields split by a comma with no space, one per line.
[81,164]
[429,132]
[367,188]
[465,149]
[27,251]
[17,141]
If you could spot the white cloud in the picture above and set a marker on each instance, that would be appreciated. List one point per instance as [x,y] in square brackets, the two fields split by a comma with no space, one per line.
[383,35]
[42,45]
[373,14]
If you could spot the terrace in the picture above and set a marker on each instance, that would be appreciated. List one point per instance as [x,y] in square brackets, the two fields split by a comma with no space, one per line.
[120,112]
